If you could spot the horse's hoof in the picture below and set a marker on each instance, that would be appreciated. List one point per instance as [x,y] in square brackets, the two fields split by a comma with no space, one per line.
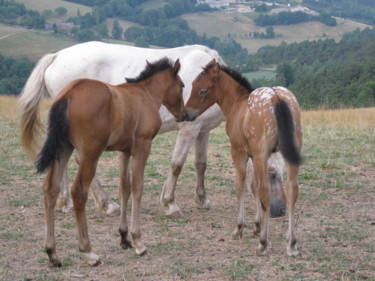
[203,204]
[55,263]
[142,251]
[113,210]
[292,251]
[174,211]
[236,234]
[262,249]
[126,245]
[93,259]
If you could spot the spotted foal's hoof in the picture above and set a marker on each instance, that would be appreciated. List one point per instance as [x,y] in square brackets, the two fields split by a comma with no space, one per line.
[113,209]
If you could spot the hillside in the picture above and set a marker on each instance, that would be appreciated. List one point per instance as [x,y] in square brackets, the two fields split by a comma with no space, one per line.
[233,26]
[238,26]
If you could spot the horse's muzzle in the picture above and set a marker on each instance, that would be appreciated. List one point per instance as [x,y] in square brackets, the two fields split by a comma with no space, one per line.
[189,115]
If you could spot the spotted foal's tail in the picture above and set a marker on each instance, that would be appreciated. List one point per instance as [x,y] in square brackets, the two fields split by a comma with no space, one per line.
[57,138]
[285,125]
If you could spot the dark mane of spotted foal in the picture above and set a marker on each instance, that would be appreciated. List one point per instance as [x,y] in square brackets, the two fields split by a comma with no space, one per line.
[237,76]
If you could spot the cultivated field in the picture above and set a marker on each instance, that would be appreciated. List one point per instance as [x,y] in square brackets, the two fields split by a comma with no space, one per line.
[335,213]
[238,27]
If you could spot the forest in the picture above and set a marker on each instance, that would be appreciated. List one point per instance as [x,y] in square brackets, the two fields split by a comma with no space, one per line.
[325,73]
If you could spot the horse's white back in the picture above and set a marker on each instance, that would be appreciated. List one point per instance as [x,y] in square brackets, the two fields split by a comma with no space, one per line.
[112,63]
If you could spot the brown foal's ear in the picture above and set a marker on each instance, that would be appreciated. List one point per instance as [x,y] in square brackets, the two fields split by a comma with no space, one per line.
[177,66]
[215,70]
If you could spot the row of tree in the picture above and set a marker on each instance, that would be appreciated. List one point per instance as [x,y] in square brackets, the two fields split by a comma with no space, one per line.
[287,18]
[325,72]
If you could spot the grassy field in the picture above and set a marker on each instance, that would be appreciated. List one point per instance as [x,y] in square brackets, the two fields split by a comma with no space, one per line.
[335,213]
[41,5]
[239,26]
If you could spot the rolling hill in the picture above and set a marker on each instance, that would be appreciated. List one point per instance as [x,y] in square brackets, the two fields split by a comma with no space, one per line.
[17,41]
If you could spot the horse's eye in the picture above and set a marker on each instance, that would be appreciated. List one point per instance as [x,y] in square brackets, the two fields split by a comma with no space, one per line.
[203,92]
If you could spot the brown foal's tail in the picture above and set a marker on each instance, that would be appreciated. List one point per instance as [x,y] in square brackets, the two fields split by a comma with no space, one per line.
[28,103]
[57,138]
[285,126]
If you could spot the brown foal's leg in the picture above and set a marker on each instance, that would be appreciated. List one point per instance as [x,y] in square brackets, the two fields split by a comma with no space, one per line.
[51,189]
[141,150]
[80,189]
[263,200]
[125,191]
[201,145]
[240,159]
[291,195]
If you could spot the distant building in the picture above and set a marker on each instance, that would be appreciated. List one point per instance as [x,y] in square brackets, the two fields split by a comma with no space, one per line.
[64,26]
[217,3]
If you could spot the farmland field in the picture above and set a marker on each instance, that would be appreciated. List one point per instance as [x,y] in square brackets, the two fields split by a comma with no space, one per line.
[335,220]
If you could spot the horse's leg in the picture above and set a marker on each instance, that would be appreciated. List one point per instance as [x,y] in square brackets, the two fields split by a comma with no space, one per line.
[201,145]
[262,196]
[140,152]
[64,199]
[80,189]
[102,200]
[291,195]
[51,189]
[240,159]
[125,192]
[185,138]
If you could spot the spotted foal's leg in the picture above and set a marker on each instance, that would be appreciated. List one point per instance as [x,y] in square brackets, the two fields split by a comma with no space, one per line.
[291,195]
[262,197]
[125,191]
[240,159]
[201,145]
[51,188]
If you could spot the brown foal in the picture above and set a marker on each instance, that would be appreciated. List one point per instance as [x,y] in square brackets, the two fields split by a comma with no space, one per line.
[258,124]
[91,117]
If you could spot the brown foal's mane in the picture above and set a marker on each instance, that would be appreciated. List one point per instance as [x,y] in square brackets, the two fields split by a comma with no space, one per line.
[151,69]
[238,77]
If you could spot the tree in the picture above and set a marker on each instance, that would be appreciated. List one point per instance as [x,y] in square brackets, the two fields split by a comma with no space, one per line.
[116,30]
[61,11]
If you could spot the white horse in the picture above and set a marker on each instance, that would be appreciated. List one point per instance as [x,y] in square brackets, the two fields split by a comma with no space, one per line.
[111,63]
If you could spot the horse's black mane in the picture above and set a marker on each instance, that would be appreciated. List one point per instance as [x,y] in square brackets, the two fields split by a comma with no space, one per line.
[151,69]
[238,77]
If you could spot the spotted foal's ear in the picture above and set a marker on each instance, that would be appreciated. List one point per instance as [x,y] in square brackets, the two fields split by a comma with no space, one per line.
[215,70]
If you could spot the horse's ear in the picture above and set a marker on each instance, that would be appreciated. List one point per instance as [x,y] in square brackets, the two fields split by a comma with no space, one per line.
[177,66]
[212,62]
[215,70]
[148,62]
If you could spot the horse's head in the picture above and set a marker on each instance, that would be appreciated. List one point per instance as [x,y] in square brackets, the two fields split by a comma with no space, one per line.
[278,201]
[173,98]
[204,91]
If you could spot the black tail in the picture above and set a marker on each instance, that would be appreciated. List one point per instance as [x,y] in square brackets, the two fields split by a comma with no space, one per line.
[285,127]
[57,139]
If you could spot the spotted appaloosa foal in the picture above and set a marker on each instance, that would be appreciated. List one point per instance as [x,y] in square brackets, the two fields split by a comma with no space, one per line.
[91,117]
[258,123]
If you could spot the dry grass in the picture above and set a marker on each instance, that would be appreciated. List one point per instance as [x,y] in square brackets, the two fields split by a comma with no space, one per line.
[335,214]
[360,119]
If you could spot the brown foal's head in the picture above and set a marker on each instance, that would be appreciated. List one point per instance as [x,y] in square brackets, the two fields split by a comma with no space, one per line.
[173,98]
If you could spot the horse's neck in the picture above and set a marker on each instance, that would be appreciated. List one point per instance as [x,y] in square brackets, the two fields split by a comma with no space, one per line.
[155,89]
[231,95]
